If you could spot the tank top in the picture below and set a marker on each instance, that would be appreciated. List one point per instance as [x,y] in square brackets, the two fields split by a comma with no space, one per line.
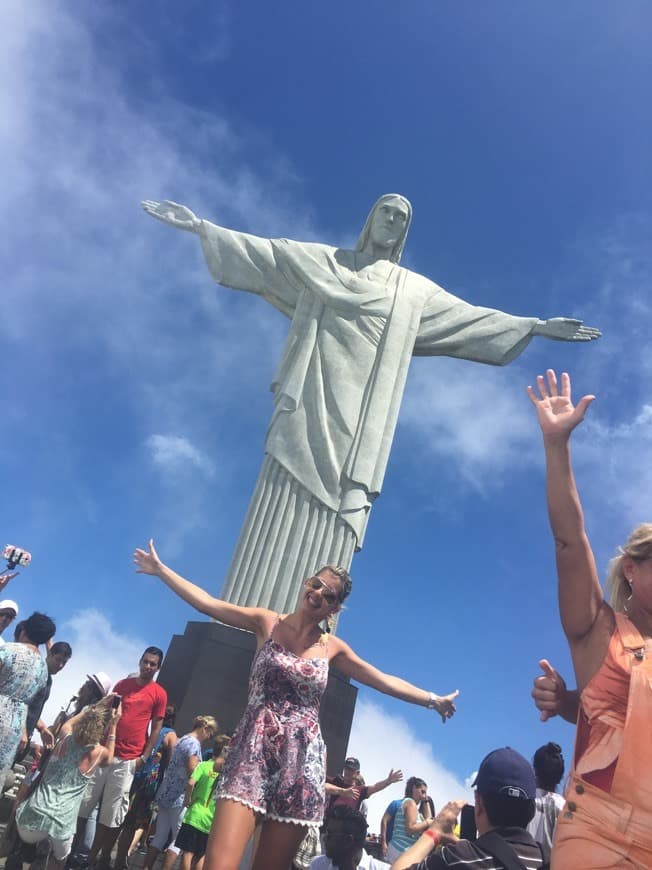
[54,804]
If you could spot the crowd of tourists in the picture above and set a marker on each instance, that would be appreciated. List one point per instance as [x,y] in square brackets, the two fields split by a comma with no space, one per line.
[112,760]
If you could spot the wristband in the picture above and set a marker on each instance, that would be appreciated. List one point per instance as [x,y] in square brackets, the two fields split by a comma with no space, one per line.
[432,701]
[434,836]
[110,737]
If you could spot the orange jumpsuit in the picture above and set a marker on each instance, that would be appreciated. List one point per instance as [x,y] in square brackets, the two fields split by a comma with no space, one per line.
[607,819]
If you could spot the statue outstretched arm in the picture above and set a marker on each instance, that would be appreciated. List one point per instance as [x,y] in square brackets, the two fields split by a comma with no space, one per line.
[566,329]
[238,260]
[178,216]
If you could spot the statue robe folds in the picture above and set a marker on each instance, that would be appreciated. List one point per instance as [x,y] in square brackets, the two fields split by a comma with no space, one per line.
[337,393]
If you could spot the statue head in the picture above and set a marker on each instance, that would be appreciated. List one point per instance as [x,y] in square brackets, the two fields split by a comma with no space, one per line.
[389,220]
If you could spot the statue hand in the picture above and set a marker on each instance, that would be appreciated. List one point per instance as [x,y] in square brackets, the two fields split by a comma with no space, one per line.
[566,329]
[556,412]
[172,213]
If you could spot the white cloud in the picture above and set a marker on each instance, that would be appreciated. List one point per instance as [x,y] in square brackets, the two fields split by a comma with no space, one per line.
[473,416]
[96,646]
[174,453]
[382,741]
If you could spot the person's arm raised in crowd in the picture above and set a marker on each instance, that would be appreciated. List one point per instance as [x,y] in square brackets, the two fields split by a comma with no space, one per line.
[586,618]
[5,578]
[392,777]
[255,619]
[352,666]
[438,831]
[552,697]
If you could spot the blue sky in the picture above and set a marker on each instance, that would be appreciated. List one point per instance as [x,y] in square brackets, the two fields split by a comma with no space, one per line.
[136,391]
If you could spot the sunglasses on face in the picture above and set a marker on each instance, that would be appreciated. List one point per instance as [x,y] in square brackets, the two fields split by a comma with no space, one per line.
[327,593]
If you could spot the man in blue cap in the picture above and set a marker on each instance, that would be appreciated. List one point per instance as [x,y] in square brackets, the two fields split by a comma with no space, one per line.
[505,790]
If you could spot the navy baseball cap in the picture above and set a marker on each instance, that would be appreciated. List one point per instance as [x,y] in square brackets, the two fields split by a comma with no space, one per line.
[352,762]
[506,772]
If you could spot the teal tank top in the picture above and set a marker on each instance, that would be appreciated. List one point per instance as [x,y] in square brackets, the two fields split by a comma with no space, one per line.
[401,839]
[54,804]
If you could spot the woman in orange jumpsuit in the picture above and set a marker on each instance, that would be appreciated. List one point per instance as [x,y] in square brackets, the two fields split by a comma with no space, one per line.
[607,819]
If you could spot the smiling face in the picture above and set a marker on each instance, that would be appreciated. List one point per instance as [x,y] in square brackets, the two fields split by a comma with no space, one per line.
[322,593]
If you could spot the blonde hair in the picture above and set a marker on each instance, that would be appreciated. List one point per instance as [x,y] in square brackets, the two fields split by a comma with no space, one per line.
[90,728]
[208,722]
[638,547]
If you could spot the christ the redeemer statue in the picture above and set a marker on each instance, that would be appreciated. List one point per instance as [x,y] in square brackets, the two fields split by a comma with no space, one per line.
[357,318]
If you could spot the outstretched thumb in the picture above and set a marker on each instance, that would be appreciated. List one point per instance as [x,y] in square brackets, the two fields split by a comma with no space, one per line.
[583,405]
[547,668]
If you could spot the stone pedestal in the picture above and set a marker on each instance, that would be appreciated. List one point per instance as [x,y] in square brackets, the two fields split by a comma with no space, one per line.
[206,670]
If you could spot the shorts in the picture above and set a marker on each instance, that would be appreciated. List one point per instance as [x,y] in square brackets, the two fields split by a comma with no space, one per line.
[60,848]
[168,822]
[191,840]
[111,785]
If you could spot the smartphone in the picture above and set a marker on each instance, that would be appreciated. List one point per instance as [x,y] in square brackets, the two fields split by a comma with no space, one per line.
[115,703]
[468,830]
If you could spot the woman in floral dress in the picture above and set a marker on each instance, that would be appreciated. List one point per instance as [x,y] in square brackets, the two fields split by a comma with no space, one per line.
[23,673]
[275,772]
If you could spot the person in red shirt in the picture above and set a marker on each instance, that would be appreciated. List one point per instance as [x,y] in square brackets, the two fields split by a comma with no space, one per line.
[143,709]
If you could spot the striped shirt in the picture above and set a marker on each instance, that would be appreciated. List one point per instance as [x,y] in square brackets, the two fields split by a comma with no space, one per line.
[401,838]
[465,855]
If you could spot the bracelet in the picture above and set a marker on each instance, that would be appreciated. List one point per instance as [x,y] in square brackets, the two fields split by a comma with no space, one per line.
[110,737]
[432,701]
[434,836]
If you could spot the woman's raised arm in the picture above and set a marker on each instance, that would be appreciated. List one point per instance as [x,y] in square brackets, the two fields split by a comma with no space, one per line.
[581,600]
[255,619]
[351,665]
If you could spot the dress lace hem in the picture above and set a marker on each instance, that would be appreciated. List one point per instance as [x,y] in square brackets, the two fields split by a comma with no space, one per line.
[272,817]
[243,801]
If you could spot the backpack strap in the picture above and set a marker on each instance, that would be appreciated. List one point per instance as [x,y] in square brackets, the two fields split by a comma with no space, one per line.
[500,849]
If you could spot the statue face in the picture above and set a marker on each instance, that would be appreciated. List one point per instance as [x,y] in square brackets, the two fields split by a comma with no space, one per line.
[388,223]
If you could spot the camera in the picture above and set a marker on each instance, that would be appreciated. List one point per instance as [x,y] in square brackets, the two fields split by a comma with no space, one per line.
[115,703]
[15,556]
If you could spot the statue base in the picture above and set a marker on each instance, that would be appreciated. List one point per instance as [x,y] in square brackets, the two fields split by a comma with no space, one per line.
[206,670]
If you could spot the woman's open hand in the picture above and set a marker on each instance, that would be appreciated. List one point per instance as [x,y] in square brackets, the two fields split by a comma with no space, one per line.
[147,561]
[555,410]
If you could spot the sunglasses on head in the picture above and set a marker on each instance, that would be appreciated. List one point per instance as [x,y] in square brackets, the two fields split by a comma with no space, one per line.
[327,593]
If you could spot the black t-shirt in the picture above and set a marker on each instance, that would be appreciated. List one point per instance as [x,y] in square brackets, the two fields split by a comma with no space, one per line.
[466,853]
